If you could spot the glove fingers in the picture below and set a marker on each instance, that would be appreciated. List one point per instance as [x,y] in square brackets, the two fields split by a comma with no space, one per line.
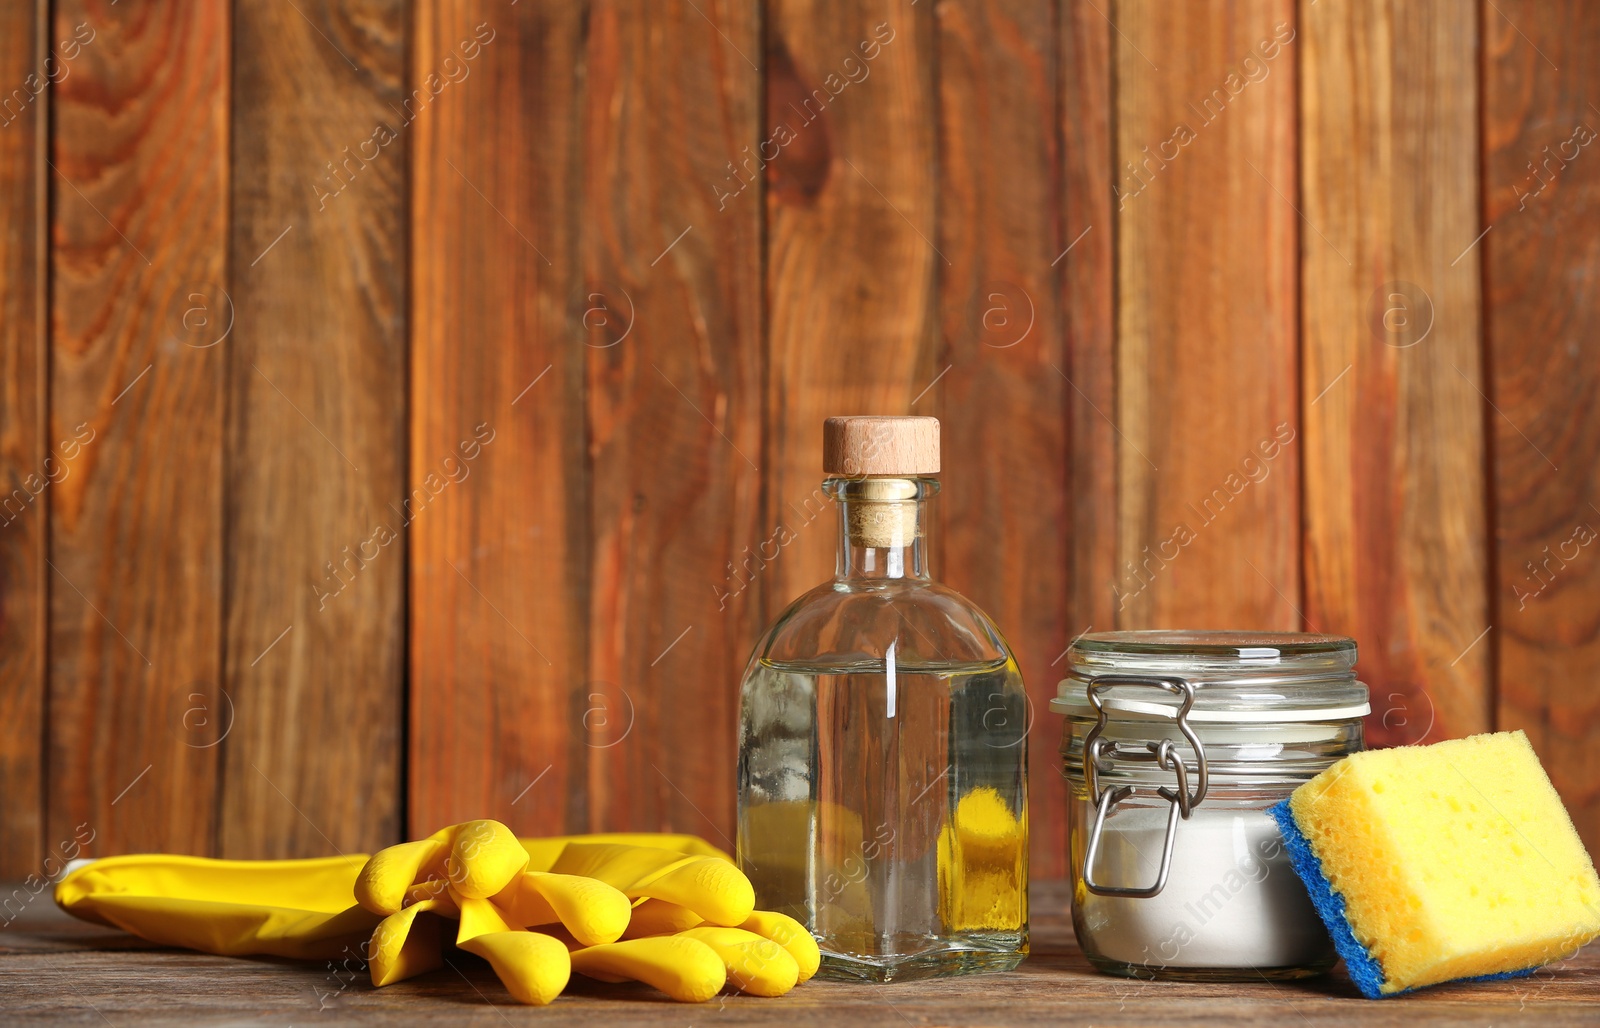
[591,910]
[618,865]
[484,858]
[388,875]
[524,905]
[479,917]
[791,935]
[754,964]
[436,890]
[686,969]
[406,944]
[712,887]
[544,852]
[709,886]
[658,917]
[534,968]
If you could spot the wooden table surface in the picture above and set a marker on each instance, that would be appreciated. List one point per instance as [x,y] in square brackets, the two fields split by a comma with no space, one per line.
[56,969]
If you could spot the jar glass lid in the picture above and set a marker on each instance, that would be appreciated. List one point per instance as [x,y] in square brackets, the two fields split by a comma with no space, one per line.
[1236,676]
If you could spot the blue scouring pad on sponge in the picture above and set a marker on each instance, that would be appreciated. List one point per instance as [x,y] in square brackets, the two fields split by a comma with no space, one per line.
[1451,862]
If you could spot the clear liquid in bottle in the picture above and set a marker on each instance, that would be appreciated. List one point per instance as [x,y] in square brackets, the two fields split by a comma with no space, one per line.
[883,759]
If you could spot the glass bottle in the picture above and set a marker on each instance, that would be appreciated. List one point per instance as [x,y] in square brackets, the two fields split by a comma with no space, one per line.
[883,752]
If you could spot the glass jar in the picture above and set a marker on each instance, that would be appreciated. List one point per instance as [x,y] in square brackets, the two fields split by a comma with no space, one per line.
[882,773]
[1178,871]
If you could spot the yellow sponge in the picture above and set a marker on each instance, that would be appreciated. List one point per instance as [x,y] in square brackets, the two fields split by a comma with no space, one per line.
[1432,863]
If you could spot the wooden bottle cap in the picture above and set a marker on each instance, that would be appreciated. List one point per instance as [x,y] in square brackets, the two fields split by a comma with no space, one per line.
[873,445]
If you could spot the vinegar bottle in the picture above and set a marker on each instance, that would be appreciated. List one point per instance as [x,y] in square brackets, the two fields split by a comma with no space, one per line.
[883,752]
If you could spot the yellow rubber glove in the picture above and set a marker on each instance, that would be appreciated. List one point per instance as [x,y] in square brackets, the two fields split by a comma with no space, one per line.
[658,917]
[283,908]
[586,888]
[474,872]
[307,909]
[710,886]
[753,964]
[685,969]
[475,859]
[678,890]
[592,911]
[543,851]
[407,943]
[694,893]
[791,935]
[534,968]
[766,956]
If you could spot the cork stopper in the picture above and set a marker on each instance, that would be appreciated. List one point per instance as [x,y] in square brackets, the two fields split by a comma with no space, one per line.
[873,445]
[886,452]
[884,515]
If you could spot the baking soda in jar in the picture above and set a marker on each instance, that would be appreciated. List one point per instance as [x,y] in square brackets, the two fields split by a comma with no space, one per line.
[1174,746]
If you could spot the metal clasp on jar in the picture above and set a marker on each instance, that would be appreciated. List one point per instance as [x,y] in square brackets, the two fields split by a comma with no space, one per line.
[1162,754]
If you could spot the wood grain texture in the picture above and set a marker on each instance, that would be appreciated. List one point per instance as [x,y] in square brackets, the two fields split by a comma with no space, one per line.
[316,449]
[873,444]
[1396,545]
[851,267]
[1542,259]
[498,568]
[59,969]
[1207,374]
[25,478]
[139,215]
[524,400]
[999,223]
[671,322]
[1087,268]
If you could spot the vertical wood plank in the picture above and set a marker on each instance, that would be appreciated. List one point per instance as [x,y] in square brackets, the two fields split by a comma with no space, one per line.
[499,560]
[851,267]
[1086,261]
[671,319]
[139,215]
[999,224]
[1396,542]
[1207,327]
[25,478]
[1542,258]
[316,450]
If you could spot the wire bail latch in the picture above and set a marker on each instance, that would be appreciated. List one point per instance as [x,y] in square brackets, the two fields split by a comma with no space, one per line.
[1163,754]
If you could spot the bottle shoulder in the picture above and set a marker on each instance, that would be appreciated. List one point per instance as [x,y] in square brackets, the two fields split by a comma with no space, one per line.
[927,623]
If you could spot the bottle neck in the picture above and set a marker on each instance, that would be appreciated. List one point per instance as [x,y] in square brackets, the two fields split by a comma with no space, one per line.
[883,527]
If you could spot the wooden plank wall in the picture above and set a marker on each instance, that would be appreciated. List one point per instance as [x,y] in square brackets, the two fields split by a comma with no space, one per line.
[139,223]
[498,578]
[676,93]
[24,29]
[1001,325]
[1540,200]
[1206,348]
[316,430]
[1396,550]
[402,403]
